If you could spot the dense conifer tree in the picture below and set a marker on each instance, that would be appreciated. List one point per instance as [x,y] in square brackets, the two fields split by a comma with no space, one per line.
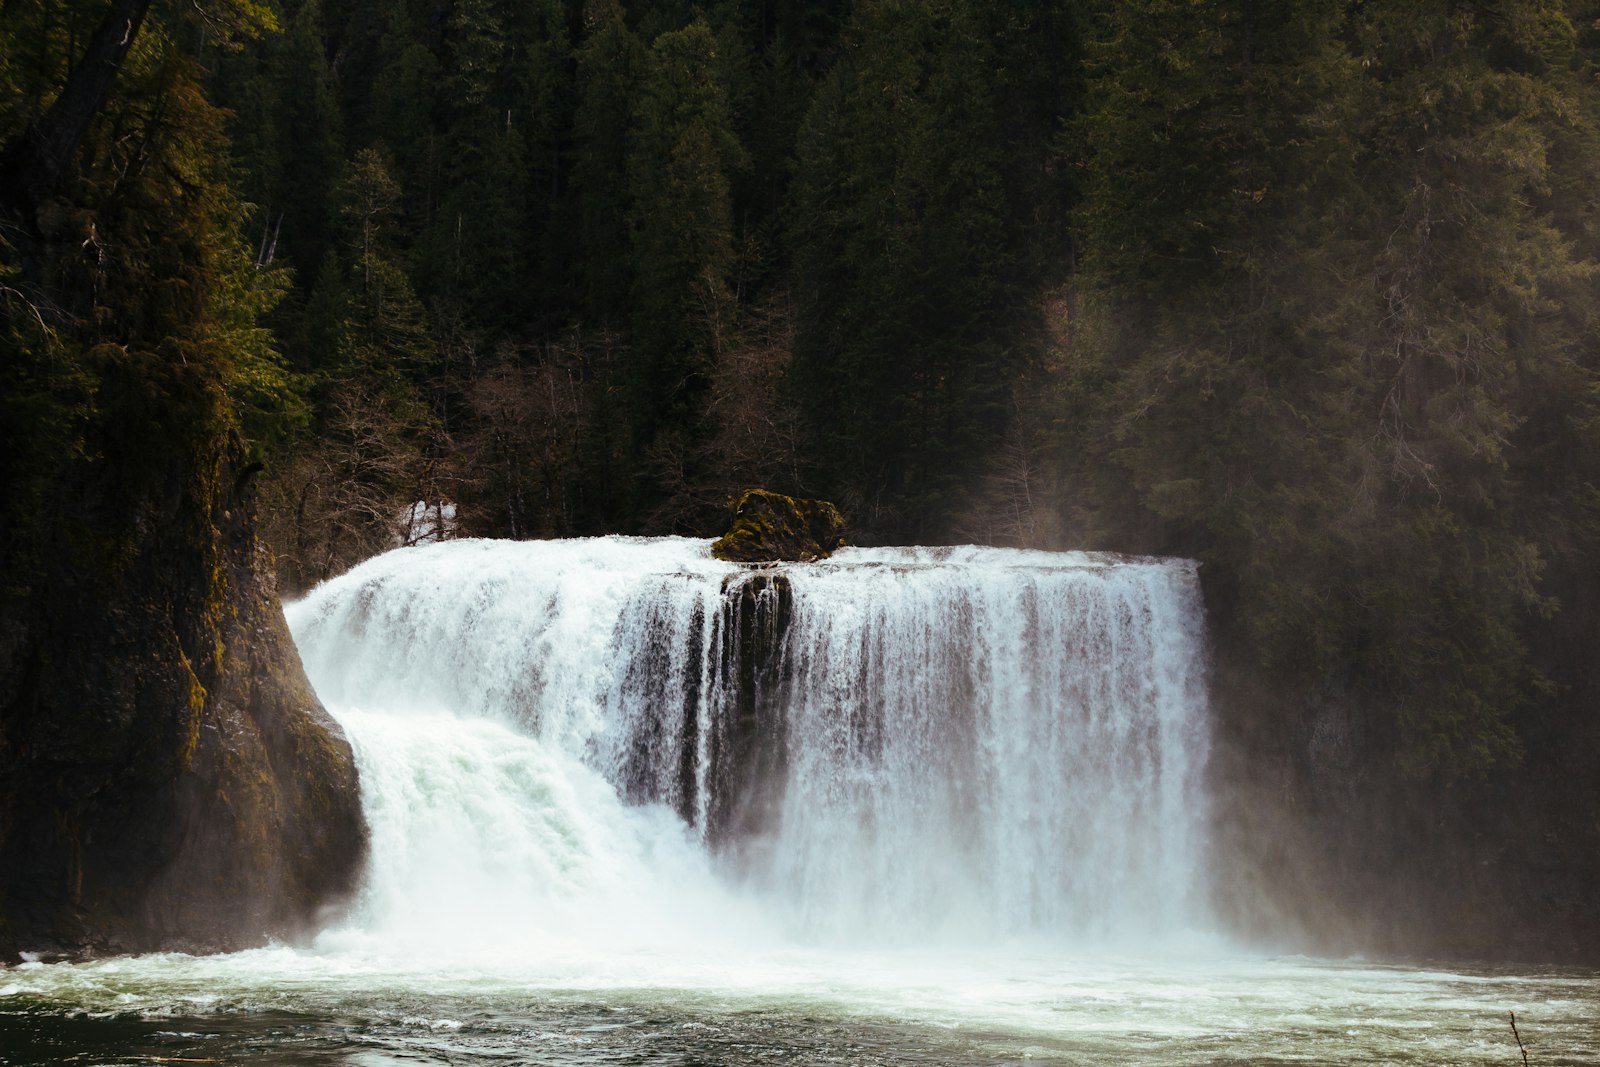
[609,62]
[681,150]
[403,113]
[310,149]
[900,217]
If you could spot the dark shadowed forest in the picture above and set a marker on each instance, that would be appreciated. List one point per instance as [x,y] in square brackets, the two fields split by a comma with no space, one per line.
[1306,290]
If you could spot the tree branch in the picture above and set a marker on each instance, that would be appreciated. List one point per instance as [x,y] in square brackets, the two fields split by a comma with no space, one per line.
[38,163]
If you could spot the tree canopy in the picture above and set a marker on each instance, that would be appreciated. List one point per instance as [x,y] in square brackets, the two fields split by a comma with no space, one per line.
[1303,290]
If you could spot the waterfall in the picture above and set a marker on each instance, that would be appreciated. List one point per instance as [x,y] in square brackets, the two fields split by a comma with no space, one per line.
[893,745]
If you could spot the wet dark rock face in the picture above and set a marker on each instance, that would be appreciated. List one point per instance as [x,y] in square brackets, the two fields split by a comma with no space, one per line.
[741,643]
[749,744]
[167,778]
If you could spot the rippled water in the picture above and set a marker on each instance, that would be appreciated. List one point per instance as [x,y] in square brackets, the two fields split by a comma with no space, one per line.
[329,1006]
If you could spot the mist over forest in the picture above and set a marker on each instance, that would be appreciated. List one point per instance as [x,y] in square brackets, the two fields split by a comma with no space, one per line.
[1306,291]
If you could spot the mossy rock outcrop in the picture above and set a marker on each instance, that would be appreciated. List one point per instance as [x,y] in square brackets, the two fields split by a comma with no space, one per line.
[769,527]
[168,779]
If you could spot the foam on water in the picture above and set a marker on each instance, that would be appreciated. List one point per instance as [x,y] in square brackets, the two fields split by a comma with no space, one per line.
[852,1007]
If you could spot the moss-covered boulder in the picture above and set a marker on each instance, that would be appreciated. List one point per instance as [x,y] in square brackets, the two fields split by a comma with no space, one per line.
[769,527]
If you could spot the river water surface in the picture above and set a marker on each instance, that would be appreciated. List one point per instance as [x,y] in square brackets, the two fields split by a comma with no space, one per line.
[330,1007]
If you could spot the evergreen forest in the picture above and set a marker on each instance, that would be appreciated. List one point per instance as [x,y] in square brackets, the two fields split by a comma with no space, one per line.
[1306,290]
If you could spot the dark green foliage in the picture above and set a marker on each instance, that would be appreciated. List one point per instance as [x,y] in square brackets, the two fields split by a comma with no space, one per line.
[145,323]
[300,174]
[902,263]
[681,151]
[609,62]
[384,328]
[1314,361]
[342,489]
[402,116]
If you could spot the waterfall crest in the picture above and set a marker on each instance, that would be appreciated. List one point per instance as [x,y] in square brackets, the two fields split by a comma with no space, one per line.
[896,745]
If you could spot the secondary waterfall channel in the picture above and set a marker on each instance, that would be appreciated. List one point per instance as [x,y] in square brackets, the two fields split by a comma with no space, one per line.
[630,804]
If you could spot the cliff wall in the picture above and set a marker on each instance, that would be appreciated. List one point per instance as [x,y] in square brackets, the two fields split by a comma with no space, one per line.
[167,778]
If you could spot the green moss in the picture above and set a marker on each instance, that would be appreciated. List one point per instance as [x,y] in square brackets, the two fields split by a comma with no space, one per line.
[767,527]
[196,698]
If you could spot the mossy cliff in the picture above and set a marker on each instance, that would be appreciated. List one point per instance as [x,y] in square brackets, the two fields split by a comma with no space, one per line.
[167,778]
[767,527]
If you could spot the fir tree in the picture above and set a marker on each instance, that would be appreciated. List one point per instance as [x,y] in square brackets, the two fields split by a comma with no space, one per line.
[899,255]
[681,149]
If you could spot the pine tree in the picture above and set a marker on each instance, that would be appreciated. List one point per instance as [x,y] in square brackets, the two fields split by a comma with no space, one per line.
[403,113]
[375,443]
[681,150]
[900,220]
[546,91]
[385,326]
[608,64]
[310,151]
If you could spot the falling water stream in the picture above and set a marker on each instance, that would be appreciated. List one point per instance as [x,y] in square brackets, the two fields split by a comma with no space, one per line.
[629,804]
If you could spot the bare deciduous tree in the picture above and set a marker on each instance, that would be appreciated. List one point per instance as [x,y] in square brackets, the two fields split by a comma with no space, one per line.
[352,495]
[523,451]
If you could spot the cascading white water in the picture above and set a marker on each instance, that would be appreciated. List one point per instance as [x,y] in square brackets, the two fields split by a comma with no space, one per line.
[626,738]
[994,742]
